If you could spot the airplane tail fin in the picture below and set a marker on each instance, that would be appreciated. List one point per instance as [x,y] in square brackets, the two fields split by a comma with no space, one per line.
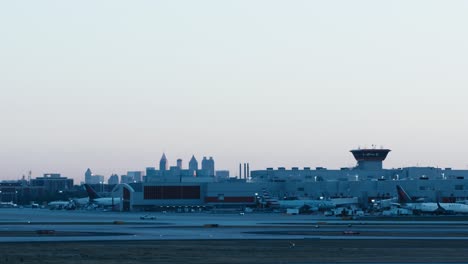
[91,192]
[403,197]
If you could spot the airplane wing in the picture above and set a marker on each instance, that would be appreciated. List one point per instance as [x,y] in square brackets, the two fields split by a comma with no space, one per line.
[442,210]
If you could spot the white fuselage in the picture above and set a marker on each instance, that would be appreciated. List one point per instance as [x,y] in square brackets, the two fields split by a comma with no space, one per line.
[422,207]
[81,201]
[455,207]
[385,203]
[320,204]
[107,201]
[432,207]
[59,203]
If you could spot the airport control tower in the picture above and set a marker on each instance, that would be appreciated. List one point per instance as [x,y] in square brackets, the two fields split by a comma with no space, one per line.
[370,159]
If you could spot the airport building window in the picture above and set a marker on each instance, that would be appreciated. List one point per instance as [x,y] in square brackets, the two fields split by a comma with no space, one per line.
[171,192]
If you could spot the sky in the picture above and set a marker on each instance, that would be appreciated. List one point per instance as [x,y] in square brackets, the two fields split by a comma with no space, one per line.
[111,85]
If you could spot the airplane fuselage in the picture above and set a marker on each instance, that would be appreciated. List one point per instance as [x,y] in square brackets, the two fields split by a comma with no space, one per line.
[106,201]
[312,203]
[433,207]
[455,207]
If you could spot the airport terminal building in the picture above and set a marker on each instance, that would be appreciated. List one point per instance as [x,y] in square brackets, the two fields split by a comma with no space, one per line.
[367,180]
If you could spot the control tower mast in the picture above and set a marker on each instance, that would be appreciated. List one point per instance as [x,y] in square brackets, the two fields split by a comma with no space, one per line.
[370,159]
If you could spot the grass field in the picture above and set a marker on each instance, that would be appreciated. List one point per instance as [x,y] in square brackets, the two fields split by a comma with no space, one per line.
[238,251]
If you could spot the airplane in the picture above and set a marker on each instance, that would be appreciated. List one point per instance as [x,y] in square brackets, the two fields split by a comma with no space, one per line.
[95,198]
[81,201]
[405,201]
[61,205]
[384,203]
[457,208]
[314,205]
[8,205]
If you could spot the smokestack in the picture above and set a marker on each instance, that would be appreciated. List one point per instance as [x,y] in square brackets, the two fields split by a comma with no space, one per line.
[240,170]
[245,171]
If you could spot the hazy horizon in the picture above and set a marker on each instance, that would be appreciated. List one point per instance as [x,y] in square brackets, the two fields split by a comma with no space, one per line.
[111,85]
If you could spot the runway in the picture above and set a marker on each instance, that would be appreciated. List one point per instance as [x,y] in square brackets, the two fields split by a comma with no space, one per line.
[45,236]
[23,225]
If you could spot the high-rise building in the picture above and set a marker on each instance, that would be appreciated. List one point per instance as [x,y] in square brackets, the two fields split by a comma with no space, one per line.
[211,167]
[208,166]
[193,166]
[125,179]
[179,164]
[204,166]
[97,179]
[163,164]
[88,176]
[135,176]
[113,179]
[151,173]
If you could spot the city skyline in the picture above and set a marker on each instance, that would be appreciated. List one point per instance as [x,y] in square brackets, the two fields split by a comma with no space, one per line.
[265,82]
[79,176]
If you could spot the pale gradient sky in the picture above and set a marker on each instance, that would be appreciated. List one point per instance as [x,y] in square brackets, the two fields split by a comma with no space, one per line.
[110,85]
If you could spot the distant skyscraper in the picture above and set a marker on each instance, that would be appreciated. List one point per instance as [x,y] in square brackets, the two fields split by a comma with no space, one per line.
[95,179]
[193,165]
[151,173]
[113,179]
[211,166]
[208,166]
[204,165]
[88,176]
[135,176]
[126,179]
[163,164]
[179,164]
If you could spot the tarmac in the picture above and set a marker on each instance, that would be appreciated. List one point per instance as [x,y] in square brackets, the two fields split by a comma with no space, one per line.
[25,225]
[428,237]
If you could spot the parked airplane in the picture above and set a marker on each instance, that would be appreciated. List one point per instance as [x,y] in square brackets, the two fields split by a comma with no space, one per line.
[384,203]
[405,201]
[61,205]
[81,201]
[95,198]
[314,205]
[8,205]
